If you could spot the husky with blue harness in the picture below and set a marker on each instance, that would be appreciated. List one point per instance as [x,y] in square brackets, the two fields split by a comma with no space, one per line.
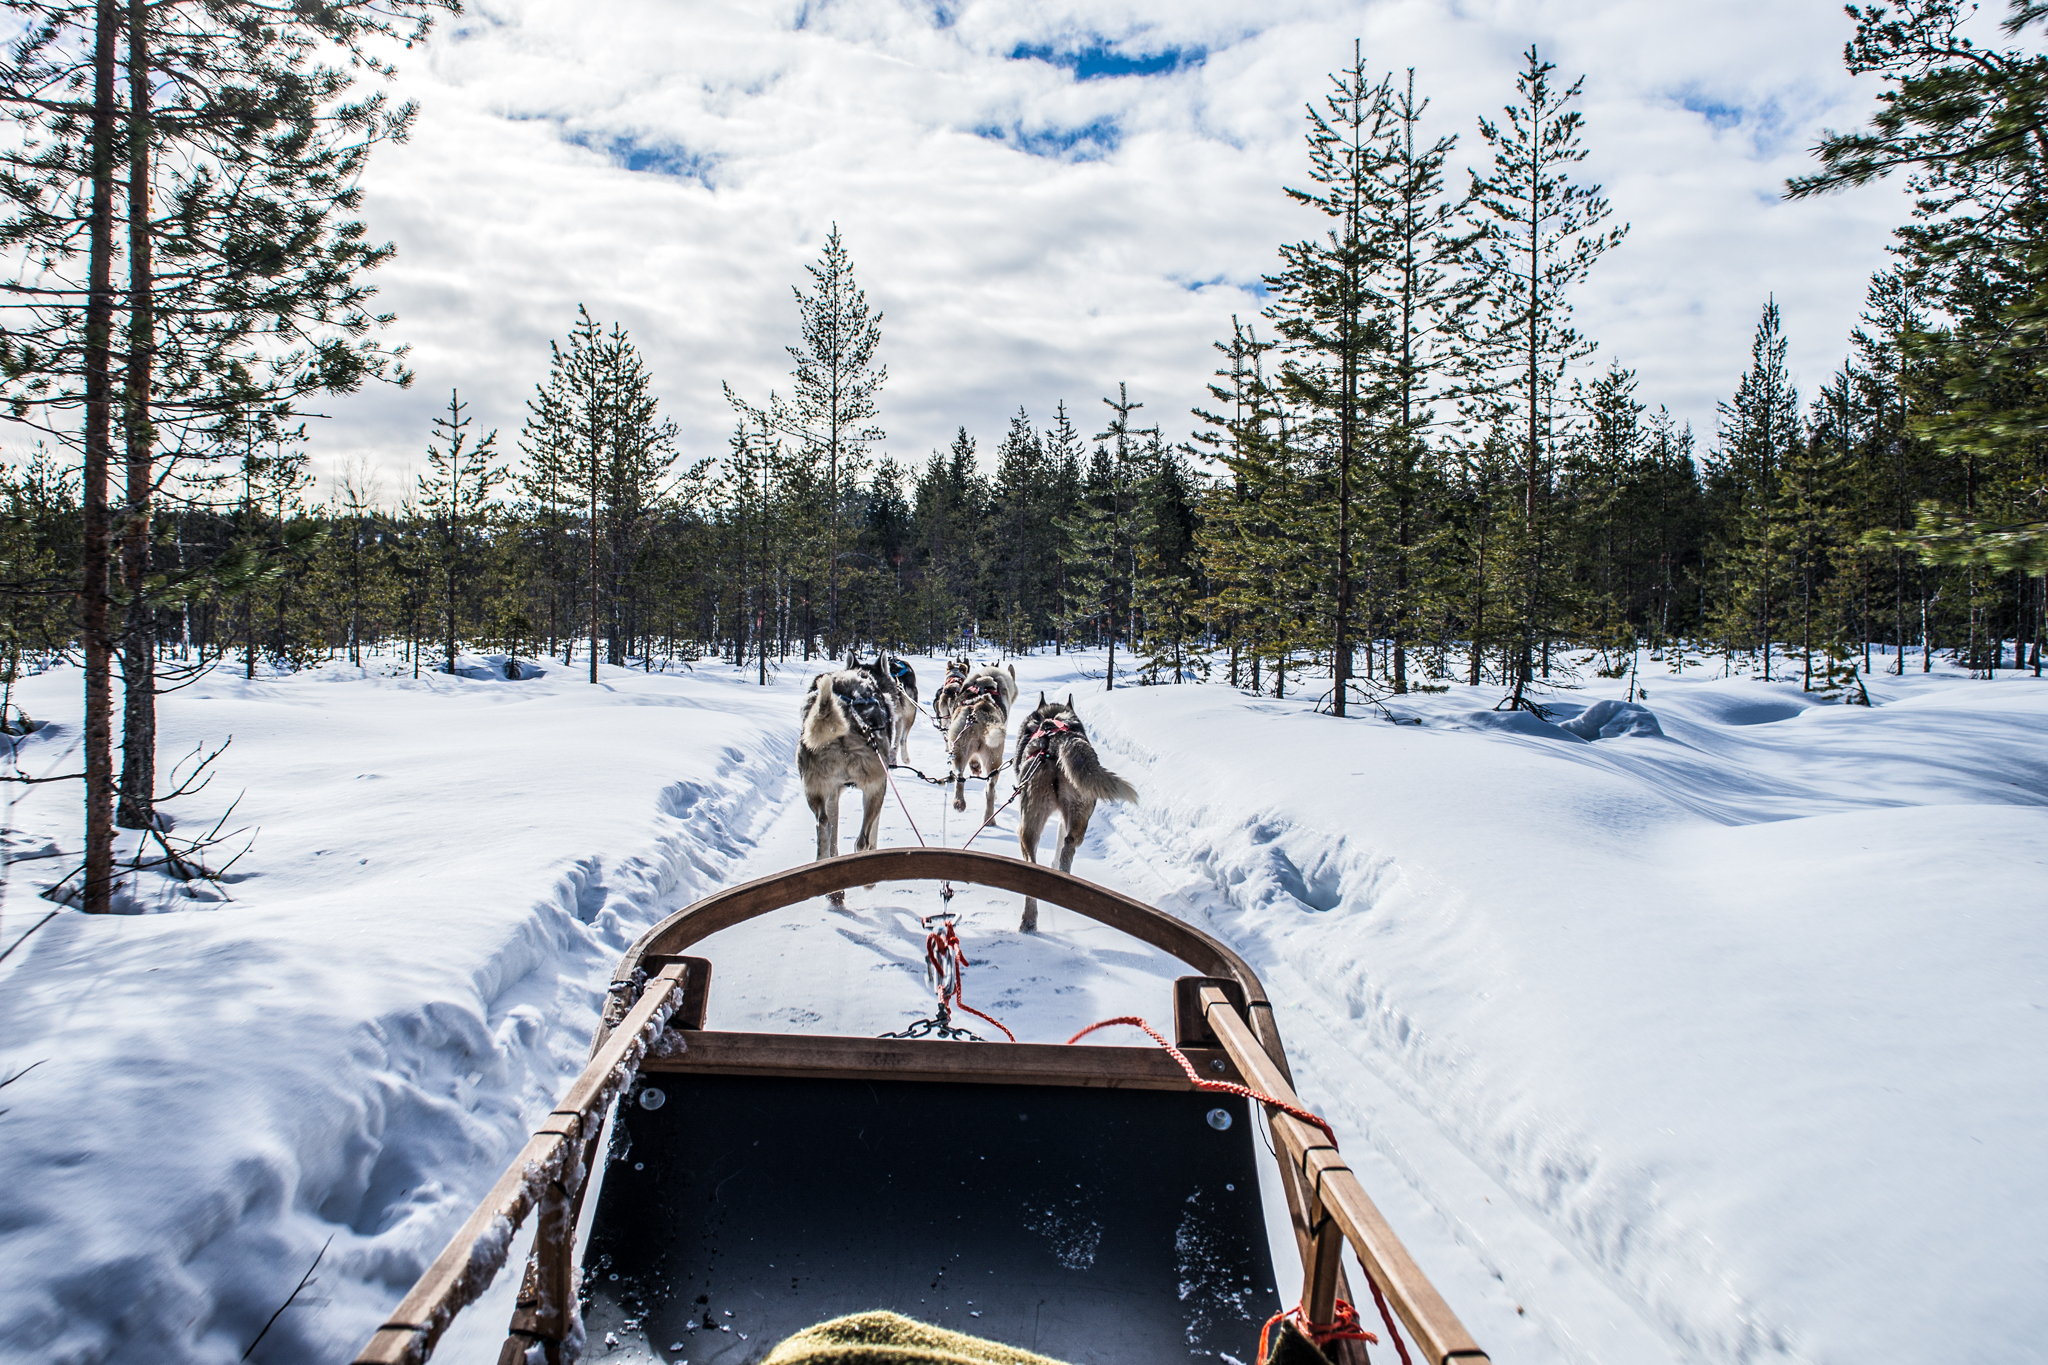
[855,721]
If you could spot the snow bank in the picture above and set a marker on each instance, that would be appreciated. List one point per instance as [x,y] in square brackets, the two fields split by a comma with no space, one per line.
[353,1047]
[1701,1029]
[1742,1020]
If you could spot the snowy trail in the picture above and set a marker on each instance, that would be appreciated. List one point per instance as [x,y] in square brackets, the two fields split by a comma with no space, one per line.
[859,970]
[1692,1046]
[813,968]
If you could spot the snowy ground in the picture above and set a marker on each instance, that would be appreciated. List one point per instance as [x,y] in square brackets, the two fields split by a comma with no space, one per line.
[1719,1045]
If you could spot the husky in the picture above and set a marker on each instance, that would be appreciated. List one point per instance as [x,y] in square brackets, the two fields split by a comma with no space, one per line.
[946,700]
[906,705]
[978,731]
[852,724]
[1057,769]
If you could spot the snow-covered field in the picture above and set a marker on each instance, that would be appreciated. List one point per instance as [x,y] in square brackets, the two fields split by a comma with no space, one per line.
[1721,1044]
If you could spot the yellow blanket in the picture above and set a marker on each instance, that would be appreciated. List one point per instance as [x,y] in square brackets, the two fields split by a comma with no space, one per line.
[892,1339]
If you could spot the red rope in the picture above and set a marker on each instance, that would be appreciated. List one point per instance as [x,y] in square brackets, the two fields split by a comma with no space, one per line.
[1344,1327]
[1203,1082]
[1385,1316]
[942,950]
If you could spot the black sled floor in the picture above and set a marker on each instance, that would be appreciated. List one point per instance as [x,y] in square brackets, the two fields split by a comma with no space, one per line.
[1089,1225]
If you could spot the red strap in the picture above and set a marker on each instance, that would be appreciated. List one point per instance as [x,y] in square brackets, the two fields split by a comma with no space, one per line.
[1385,1316]
[1344,1327]
[945,959]
[1202,1082]
[1346,1324]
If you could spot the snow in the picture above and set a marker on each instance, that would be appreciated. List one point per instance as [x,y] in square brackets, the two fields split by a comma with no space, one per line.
[1703,1028]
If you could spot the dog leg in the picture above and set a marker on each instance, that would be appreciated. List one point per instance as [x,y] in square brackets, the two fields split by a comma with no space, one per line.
[1030,824]
[1073,832]
[871,816]
[827,808]
[993,762]
[824,808]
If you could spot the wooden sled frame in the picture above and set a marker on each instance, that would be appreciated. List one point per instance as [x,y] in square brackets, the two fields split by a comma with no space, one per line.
[1222,1021]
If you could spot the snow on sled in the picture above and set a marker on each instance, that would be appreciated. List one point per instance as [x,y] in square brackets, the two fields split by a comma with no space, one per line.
[1084,1202]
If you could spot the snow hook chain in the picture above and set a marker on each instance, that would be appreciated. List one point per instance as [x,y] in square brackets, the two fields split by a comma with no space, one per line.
[944,960]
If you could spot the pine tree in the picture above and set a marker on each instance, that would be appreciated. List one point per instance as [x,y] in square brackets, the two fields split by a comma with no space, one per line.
[1815,507]
[837,381]
[594,431]
[1760,429]
[1967,123]
[1423,297]
[457,495]
[1104,532]
[1539,235]
[1325,315]
[1063,449]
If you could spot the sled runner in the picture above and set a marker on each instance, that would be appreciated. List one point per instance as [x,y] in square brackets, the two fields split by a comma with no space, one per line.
[1084,1202]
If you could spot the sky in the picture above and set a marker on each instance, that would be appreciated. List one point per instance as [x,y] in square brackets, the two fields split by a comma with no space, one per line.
[1046,198]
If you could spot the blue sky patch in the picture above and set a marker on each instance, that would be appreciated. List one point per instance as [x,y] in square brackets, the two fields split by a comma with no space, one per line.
[650,158]
[1098,60]
[1091,142]
[1767,124]
[1716,113]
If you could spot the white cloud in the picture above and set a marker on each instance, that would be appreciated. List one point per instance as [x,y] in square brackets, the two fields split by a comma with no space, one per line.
[1033,236]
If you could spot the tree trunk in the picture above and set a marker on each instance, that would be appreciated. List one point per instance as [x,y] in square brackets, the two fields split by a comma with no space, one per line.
[138,635]
[593,561]
[98,895]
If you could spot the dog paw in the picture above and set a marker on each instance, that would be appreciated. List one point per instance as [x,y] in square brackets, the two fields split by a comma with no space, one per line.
[959,804]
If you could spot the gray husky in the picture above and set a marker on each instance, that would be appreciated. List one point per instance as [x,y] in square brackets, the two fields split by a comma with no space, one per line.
[946,700]
[852,723]
[976,735]
[1057,769]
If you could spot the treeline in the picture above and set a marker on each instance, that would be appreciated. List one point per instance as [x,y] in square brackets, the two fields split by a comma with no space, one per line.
[1410,472]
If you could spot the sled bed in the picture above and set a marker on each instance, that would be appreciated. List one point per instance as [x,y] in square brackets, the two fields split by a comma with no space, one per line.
[1088,1203]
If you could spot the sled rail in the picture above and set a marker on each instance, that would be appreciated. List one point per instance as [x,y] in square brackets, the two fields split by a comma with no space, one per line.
[546,1172]
[655,985]
[1339,1208]
[1205,954]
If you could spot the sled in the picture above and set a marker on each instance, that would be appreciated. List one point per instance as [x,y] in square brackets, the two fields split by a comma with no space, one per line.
[1089,1203]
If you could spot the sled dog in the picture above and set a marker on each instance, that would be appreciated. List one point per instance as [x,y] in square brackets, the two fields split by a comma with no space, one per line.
[946,700]
[852,720]
[1057,769]
[976,736]
[906,704]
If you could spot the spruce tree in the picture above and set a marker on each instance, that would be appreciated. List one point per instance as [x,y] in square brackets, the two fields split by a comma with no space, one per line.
[1325,315]
[838,379]
[1538,236]
[594,431]
[1423,296]
[456,496]
[1760,428]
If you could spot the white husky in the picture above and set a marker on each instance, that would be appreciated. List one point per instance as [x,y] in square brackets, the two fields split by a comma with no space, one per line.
[852,721]
[979,729]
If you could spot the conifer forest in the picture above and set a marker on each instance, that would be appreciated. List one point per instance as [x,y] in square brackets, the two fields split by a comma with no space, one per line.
[1023,681]
[1414,472]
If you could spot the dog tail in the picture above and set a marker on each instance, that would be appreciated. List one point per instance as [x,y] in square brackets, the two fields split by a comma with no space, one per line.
[1080,766]
[826,720]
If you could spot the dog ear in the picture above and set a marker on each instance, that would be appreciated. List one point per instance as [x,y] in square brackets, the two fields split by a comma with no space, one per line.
[1041,698]
[1070,701]
[1013,670]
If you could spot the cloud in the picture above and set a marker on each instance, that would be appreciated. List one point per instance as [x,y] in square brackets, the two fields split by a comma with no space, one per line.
[1046,199]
